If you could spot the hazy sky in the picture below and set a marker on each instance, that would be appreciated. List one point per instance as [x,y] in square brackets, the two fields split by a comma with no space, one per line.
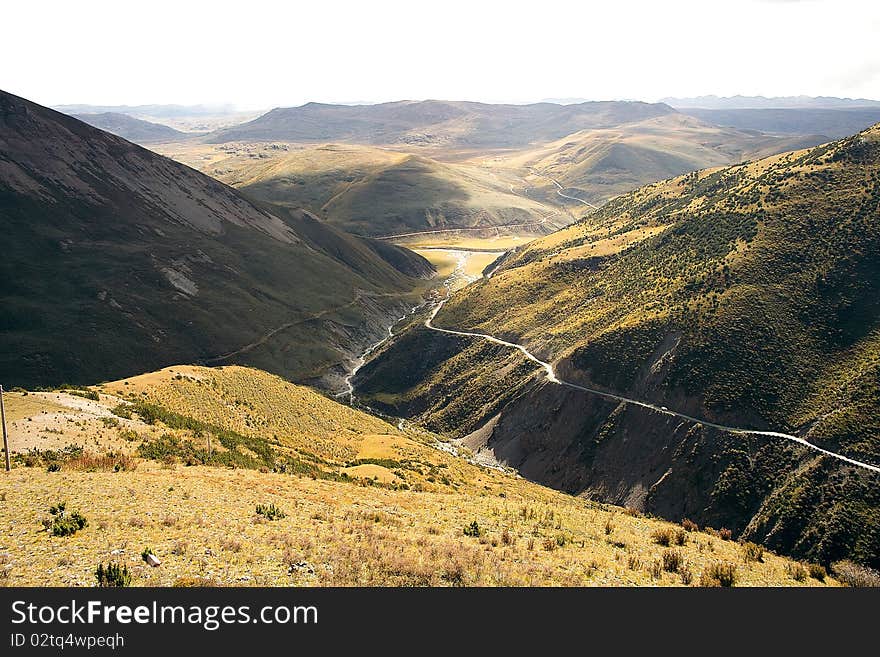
[259,54]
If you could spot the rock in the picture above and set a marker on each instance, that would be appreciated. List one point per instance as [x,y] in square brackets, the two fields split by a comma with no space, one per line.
[152,560]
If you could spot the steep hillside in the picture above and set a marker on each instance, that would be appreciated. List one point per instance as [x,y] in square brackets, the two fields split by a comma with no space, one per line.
[231,476]
[371,191]
[745,295]
[436,123]
[130,128]
[117,260]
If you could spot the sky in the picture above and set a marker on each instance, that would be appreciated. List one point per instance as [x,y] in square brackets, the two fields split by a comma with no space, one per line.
[258,54]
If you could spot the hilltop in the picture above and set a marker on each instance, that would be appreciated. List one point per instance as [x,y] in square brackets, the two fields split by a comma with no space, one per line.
[744,295]
[117,260]
[598,164]
[371,191]
[436,123]
[180,461]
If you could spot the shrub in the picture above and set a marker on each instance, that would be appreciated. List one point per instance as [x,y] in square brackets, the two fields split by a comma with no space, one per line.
[752,552]
[725,534]
[817,571]
[796,571]
[472,529]
[680,536]
[672,561]
[662,537]
[270,512]
[853,574]
[689,525]
[506,537]
[63,523]
[113,575]
[686,575]
[718,573]
[609,527]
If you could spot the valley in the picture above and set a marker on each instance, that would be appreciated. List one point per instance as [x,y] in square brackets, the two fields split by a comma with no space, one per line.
[606,343]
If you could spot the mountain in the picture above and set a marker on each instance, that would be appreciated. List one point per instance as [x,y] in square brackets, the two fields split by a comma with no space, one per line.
[745,295]
[371,191]
[189,119]
[834,123]
[762,102]
[130,128]
[118,260]
[234,477]
[597,165]
[436,123]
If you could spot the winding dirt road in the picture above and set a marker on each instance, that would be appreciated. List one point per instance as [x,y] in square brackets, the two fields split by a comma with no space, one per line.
[551,376]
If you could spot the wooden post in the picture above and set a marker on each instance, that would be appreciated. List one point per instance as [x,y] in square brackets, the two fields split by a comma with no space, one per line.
[3,422]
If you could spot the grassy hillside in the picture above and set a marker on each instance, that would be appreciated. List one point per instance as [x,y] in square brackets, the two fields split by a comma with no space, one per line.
[180,461]
[745,294]
[597,165]
[371,191]
[117,260]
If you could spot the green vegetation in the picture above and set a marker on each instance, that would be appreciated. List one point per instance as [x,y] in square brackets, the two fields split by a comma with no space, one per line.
[270,512]
[472,529]
[63,523]
[113,575]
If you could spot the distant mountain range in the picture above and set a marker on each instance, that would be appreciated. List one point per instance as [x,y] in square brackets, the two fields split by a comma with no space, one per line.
[762,102]
[157,110]
[132,129]
[437,123]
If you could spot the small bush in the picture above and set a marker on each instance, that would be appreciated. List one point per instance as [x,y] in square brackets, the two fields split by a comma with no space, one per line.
[656,569]
[680,537]
[718,573]
[752,552]
[113,575]
[672,561]
[609,527]
[507,538]
[796,571]
[690,525]
[725,534]
[686,575]
[472,529]
[817,571]
[853,574]
[63,523]
[662,537]
[270,512]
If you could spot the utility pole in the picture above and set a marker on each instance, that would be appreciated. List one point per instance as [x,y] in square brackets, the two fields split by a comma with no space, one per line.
[3,422]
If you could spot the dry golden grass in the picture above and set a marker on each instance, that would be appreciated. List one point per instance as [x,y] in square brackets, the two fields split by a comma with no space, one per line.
[342,534]
[201,521]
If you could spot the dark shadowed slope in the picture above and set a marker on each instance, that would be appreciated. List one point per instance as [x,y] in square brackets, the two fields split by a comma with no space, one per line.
[117,260]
